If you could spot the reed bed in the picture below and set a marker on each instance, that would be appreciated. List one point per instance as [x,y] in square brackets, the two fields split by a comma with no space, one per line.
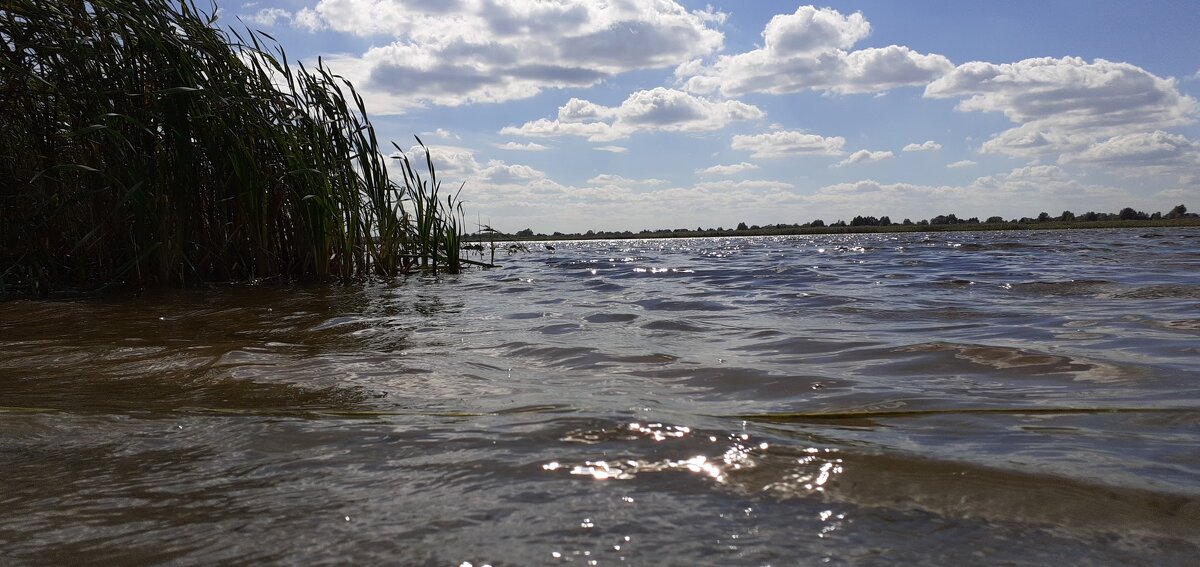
[143,145]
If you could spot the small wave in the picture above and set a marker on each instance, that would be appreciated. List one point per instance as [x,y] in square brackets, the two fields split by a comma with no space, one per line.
[674,325]
[610,318]
[557,329]
[902,409]
[955,283]
[1166,291]
[765,334]
[1029,363]
[653,270]
[525,315]
[710,455]
[601,285]
[741,383]
[750,464]
[1185,325]
[814,300]
[957,489]
[960,317]
[974,246]
[584,357]
[1064,288]
[337,322]
[678,305]
[570,357]
[574,264]
[803,345]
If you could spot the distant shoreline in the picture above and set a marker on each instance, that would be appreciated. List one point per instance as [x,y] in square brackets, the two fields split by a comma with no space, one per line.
[959,227]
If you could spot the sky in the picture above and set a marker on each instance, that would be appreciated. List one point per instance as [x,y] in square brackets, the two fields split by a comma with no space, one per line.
[576,115]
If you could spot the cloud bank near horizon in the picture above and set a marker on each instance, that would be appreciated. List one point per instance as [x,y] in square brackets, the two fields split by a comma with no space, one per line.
[1116,134]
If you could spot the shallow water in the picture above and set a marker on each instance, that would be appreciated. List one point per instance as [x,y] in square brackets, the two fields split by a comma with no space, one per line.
[862,399]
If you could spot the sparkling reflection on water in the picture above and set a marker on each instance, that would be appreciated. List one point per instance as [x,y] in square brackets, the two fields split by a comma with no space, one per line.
[982,398]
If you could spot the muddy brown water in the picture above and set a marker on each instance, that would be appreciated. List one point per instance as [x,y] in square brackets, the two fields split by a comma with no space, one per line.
[980,398]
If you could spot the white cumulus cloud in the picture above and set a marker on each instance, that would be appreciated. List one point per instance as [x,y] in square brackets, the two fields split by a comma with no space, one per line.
[658,109]
[456,165]
[1031,179]
[1141,153]
[268,17]
[518,147]
[454,52]
[864,156]
[784,143]
[308,19]
[748,185]
[807,50]
[1065,106]
[926,146]
[618,180]
[443,134]
[732,169]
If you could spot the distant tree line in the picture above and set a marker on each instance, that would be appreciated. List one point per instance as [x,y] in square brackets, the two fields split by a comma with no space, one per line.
[870,223]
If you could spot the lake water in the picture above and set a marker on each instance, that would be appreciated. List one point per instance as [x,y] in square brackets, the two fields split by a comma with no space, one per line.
[943,398]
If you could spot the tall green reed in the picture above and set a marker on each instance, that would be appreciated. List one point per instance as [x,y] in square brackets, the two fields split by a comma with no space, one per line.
[141,144]
[439,225]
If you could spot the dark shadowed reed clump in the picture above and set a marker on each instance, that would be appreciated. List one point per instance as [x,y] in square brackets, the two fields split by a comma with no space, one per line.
[142,145]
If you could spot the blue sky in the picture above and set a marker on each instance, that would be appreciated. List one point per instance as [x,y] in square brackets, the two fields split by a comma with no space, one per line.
[570,115]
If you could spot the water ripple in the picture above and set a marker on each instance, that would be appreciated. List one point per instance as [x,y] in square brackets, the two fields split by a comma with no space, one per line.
[945,398]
